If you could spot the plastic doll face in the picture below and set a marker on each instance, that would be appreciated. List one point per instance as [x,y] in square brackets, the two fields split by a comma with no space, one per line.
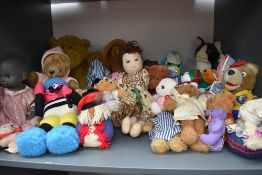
[132,62]
[11,76]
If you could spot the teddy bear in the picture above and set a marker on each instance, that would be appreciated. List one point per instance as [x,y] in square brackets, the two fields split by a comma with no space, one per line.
[135,108]
[207,54]
[216,129]
[245,136]
[80,59]
[155,78]
[56,107]
[223,100]
[8,134]
[95,128]
[190,114]
[163,92]
[240,79]
[55,63]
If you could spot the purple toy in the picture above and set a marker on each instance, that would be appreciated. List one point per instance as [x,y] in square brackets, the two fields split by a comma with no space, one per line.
[216,129]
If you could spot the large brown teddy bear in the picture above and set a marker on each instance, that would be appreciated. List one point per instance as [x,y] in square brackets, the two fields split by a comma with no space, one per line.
[55,63]
[77,51]
[240,79]
[156,74]
[188,111]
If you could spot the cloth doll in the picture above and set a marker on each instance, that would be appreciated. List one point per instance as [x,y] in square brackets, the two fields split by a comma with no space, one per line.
[135,109]
[216,129]
[17,99]
[56,104]
[96,128]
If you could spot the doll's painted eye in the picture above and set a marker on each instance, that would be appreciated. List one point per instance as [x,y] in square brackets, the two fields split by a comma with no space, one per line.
[128,61]
[244,74]
[60,70]
[163,87]
[136,59]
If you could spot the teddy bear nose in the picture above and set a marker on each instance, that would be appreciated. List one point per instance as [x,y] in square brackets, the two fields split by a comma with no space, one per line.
[231,72]
[51,72]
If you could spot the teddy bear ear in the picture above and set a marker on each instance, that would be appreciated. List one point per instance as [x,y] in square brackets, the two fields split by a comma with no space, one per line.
[53,42]
[85,42]
[218,45]
[200,41]
[253,67]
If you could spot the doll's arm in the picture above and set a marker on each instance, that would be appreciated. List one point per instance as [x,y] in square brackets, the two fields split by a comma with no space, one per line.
[72,96]
[145,78]
[39,100]
[218,125]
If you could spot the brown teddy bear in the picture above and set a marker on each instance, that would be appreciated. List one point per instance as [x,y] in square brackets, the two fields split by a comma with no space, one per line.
[80,58]
[55,63]
[240,79]
[189,112]
[155,78]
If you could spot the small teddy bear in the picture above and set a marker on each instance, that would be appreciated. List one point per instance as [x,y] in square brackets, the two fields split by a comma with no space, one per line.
[163,90]
[216,129]
[55,63]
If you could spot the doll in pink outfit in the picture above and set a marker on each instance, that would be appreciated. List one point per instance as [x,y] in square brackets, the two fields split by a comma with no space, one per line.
[16,99]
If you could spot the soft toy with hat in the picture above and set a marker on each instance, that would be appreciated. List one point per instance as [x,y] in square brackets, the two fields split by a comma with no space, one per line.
[240,79]
[56,104]
[135,82]
[245,137]
[96,128]
[173,61]
[80,58]
[55,63]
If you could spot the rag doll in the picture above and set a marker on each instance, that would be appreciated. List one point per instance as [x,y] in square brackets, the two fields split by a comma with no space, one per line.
[17,99]
[56,104]
[135,109]
[163,90]
[95,128]
[216,129]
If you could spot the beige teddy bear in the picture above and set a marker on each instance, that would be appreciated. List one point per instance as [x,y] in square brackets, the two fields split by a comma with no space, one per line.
[55,63]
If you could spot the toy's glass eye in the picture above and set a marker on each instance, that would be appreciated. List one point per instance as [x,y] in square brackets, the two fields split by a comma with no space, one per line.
[127,61]
[163,87]
[244,74]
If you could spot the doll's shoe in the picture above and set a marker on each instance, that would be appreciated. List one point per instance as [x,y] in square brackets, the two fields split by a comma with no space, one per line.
[32,142]
[62,139]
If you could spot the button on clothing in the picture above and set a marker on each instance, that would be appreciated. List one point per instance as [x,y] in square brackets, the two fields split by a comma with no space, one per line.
[165,127]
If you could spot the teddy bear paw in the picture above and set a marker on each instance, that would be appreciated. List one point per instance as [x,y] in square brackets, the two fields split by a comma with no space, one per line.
[62,139]
[200,147]
[32,142]
[159,146]
[177,145]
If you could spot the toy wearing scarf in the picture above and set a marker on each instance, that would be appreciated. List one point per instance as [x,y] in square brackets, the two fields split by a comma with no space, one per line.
[56,103]
[96,128]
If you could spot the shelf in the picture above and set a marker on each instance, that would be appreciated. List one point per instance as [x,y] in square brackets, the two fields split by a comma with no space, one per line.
[134,156]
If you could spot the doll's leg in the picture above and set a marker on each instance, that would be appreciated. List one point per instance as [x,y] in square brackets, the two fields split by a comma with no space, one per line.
[63,138]
[126,125]
[136,129]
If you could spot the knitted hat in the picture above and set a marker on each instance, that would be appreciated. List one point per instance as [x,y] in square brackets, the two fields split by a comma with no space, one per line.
[57,50]
[88,101]
[195,75]
[224,64]
[54,80]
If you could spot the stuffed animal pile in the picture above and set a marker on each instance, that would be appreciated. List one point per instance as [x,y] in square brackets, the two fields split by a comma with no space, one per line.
[202,108]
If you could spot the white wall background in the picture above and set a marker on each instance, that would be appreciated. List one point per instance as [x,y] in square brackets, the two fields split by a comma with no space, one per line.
[158,25]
